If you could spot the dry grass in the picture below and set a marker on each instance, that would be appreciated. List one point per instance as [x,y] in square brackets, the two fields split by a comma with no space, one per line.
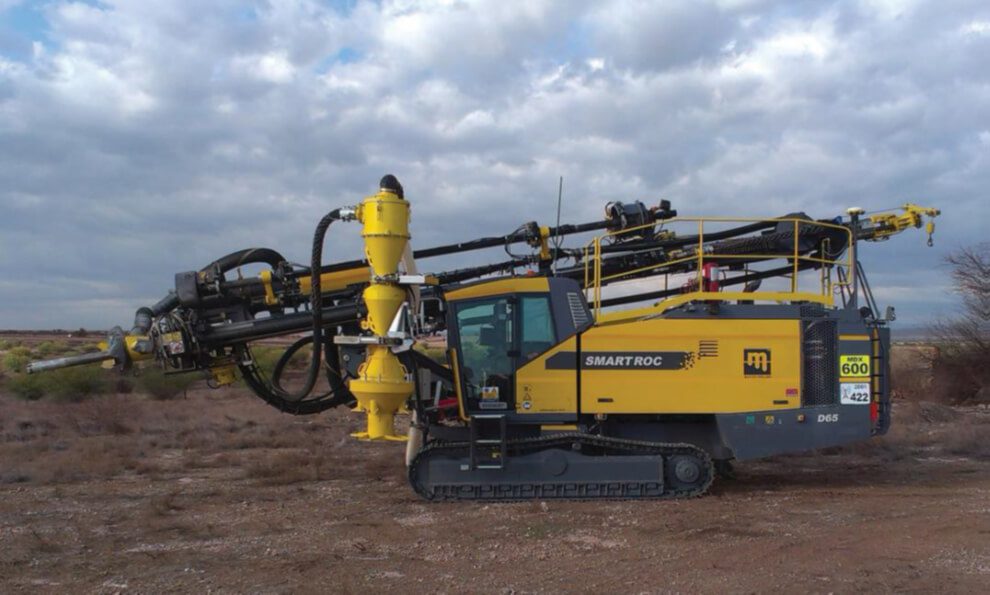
[925,429]
[287,467]
[44,442]
[969,439]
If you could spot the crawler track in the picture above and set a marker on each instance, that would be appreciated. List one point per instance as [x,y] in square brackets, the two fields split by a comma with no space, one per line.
[541,468]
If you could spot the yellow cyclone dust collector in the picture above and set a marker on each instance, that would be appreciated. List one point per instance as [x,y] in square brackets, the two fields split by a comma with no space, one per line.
[383,384]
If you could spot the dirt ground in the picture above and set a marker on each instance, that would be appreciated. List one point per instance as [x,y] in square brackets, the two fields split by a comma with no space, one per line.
[219,492]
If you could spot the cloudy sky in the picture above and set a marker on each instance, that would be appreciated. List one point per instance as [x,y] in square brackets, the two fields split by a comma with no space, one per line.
[140,138]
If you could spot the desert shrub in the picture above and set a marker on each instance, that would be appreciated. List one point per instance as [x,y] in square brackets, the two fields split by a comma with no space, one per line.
[5,344]
[964,342]
[265,357]
[161,386]
[68,384]
[911,373]
[27,387]
[81,349]
[77,383]
[123,386]
[16,359]
[51,348]
[970,439]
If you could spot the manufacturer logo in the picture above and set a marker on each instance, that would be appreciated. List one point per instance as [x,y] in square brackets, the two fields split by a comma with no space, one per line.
[621,360]
[756,362]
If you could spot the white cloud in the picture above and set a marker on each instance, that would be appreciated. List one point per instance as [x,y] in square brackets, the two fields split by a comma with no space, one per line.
[977,28]
[144,138]
[275,67]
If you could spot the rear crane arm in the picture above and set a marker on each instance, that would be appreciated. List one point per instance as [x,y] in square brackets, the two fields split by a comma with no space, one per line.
[880,226]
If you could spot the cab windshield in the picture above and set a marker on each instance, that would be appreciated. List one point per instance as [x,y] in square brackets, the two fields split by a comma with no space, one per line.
[485,329]
[492,345]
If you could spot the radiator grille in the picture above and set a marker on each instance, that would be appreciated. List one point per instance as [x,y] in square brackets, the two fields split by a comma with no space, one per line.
[579,313]
[812,310]
[819,363]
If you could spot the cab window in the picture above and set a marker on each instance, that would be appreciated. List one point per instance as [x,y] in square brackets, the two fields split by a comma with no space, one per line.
[485,329]
[537,326]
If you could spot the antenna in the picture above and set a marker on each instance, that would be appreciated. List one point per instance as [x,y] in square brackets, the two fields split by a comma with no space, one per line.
[557,239]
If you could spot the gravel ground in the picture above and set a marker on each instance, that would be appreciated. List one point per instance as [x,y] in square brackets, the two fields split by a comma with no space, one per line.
[218,492]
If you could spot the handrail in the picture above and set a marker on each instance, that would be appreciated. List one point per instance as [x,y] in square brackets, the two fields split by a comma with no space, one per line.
[594,280]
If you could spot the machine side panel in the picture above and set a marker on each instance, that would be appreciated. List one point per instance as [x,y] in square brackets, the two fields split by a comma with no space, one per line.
[690,366]
[767,433]
[541,389]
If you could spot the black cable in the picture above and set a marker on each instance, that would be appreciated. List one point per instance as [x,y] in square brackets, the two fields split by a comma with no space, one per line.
[247,256]
[338,393]
[316,305]
[253,377]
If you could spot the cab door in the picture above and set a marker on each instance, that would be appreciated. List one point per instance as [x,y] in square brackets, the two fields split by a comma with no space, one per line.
[484,333]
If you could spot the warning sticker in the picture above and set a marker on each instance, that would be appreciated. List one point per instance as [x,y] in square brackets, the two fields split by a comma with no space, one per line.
[854,393]
[854,366]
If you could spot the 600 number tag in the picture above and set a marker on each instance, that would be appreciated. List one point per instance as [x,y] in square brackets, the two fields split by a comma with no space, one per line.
[854,366]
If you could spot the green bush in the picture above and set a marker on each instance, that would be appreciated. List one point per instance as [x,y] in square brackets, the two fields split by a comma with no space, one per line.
[161,386]
[266,357]
[68,384]
[23,386]
[78,383]
[16,359]
[51,348]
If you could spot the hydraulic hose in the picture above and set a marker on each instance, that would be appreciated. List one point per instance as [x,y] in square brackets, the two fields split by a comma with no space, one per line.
[226,263]
[247,256]
[338,395]
[316,306]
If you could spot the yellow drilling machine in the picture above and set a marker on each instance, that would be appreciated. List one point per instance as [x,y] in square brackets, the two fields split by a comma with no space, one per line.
[636,364]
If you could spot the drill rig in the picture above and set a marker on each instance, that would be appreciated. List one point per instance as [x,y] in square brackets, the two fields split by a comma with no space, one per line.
[551,388]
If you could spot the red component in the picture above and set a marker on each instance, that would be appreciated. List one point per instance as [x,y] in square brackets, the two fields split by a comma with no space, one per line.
[447,404]
[874,412]
[447,408]
[709,273]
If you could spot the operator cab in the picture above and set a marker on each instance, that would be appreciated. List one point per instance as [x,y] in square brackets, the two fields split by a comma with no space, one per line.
[495,327]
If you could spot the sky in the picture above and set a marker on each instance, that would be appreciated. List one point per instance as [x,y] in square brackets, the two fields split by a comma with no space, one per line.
[139,139]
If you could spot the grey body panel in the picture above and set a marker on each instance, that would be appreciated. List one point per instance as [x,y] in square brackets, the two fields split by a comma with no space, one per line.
[768,433]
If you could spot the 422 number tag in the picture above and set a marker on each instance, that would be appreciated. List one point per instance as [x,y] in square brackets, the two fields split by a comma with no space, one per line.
[855,393]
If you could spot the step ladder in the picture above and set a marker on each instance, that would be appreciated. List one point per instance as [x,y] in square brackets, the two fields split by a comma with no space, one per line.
[488,431]
[878,379]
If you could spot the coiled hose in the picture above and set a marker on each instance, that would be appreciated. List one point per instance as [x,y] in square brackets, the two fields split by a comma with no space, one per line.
[304,402]
[316,306]
[272,392]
